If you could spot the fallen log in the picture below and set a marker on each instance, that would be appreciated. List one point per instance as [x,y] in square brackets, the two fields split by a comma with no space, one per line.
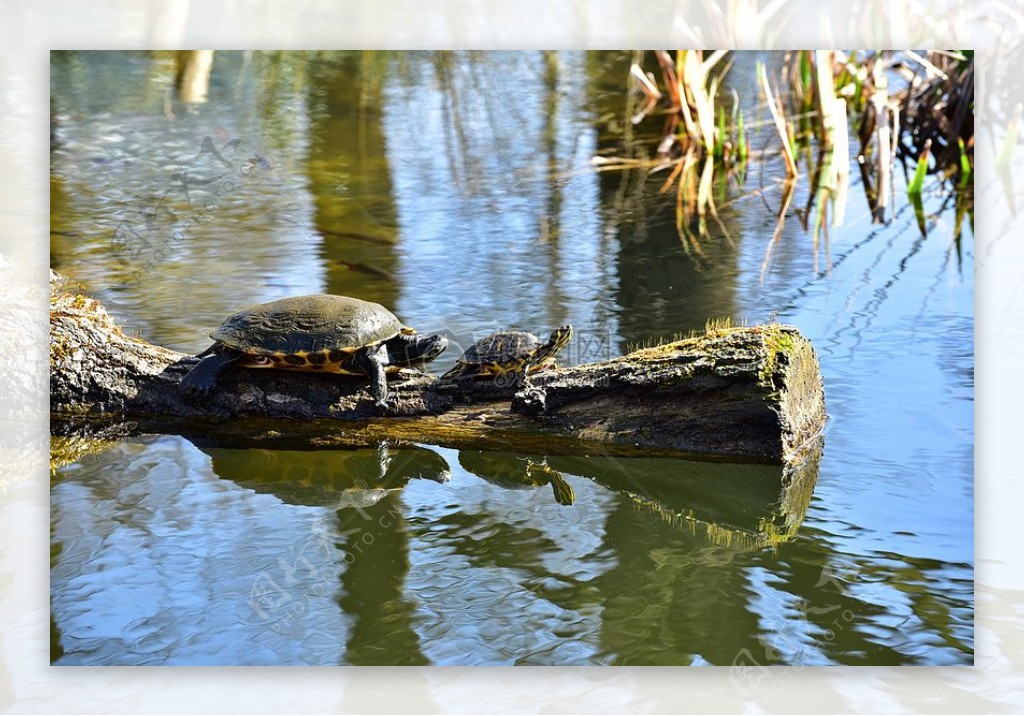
[737,393]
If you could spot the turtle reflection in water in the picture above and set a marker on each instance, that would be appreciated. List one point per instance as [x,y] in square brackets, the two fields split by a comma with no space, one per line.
[339,479]
[320,333]
[509,356]
[515,472]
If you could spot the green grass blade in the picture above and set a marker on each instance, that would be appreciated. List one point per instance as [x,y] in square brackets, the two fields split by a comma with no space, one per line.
[741,138]
[917,183]
[965,164]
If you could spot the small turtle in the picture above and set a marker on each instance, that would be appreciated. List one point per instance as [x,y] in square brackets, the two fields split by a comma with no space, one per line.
[508,354]
[318,333]
[516,472]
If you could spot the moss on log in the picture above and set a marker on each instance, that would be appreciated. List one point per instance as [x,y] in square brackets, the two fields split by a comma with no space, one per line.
[738,393]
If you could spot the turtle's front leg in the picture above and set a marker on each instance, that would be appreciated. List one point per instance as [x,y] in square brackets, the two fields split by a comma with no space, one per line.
[510,378]
[371,362]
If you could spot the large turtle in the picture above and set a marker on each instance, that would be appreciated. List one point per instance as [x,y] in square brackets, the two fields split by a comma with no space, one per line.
[509,354]
[350,477]
[319,333]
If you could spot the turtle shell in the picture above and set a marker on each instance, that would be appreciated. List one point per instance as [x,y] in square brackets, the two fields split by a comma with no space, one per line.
[308,324]
[502,348]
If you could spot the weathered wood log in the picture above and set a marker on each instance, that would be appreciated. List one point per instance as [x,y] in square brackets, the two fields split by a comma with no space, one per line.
[751,393]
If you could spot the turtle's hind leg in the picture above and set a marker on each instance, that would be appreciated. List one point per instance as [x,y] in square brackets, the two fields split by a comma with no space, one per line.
[201,381]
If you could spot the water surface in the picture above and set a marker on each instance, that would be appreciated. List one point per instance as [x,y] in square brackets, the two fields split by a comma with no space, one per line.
[456,189]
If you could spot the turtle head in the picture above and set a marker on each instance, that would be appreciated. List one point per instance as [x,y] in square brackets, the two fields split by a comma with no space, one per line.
[560,337]
[410,351]
[558,340]
[433,346]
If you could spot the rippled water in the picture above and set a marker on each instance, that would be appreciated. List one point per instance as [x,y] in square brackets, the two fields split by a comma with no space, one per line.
[455,189]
